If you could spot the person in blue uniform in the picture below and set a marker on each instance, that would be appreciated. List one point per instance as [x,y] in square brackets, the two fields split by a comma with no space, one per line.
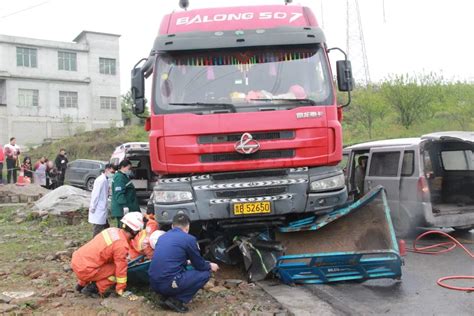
[168,274]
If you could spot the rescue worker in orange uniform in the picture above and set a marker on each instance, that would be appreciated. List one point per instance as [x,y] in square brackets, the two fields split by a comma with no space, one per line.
[103,260]
[140,244]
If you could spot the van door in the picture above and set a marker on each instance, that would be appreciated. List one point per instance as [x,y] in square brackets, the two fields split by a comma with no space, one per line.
[384,168]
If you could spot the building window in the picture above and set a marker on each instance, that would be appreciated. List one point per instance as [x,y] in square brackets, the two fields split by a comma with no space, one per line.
[67,99]
[67,61]
[26,57]
[107,66]
[108,103]
[27,97]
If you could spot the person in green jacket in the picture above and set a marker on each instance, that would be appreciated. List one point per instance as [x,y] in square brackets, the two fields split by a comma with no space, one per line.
[124,197]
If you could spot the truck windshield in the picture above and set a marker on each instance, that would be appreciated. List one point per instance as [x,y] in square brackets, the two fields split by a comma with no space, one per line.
[244,80]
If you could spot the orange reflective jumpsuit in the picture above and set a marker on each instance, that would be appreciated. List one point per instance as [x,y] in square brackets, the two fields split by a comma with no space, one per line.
[140,245]
[103,260]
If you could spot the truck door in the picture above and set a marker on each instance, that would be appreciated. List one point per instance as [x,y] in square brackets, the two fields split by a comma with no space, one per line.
[383,168]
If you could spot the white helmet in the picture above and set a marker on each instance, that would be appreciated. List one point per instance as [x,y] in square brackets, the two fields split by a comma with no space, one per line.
[155,236]
[134,220]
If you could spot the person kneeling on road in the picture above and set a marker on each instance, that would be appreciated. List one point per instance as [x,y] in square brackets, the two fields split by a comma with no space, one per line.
[140,245]
[103,260]
[168,274]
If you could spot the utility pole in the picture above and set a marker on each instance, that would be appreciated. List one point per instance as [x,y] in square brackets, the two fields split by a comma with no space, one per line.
[355,44]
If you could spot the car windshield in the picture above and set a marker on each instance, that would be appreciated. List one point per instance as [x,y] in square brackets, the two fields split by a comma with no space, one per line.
[242,80]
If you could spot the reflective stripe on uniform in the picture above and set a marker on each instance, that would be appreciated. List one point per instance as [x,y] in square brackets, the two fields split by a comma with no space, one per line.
[112,278]
[107,238]
[128,183]
[110,235]
[140,241]
[121,280]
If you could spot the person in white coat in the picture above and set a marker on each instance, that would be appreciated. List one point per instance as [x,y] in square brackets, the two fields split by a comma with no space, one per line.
[99,197]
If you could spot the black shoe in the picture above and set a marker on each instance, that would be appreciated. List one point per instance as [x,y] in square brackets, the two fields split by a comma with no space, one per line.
[175,305]
[79,288]
[90,290]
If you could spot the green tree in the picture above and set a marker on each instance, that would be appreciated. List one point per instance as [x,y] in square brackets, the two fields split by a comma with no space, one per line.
[412,96]
[457,104]
[367,107]
[127,110]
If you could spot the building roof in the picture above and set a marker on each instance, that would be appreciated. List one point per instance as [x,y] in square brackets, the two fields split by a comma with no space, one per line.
[83,33]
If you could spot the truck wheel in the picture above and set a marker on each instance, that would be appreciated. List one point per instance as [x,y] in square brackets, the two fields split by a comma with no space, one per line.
[90,184]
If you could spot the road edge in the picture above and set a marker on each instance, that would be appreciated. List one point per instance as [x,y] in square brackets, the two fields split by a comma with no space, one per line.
[297,300]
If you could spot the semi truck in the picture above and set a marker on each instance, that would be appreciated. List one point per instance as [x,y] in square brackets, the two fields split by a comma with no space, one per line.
[245,127]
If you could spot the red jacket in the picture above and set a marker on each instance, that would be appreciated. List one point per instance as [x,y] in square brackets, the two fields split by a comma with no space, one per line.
[140,245]
[2,156]
[111,245]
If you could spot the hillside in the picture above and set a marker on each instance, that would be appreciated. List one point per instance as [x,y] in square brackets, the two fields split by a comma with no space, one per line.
[97,144]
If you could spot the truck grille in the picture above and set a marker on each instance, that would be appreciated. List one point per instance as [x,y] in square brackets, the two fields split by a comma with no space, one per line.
[226,138]
[268,154]
[250,174]
[250,192]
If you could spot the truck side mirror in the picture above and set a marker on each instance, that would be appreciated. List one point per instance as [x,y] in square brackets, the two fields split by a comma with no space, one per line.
[345,82]
[138,90]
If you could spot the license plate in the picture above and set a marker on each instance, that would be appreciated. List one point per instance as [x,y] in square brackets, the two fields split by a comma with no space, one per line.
[252,208]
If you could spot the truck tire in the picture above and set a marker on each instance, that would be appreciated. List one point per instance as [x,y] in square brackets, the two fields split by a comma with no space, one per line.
[90,184]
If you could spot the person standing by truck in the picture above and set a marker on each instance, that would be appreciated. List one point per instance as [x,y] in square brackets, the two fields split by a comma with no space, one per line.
[124,197]
[99,197]
[12,151]
[61,165]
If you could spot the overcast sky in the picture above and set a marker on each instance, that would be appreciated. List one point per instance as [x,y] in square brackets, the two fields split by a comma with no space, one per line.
[408,36]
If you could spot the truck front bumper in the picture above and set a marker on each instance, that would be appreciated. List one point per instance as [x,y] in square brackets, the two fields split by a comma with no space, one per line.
[214,195]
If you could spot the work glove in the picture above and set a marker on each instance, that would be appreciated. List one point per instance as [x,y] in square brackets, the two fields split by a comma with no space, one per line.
[128,295]
[125,210]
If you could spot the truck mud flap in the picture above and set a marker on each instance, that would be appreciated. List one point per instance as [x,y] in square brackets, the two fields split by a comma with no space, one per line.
[360,245]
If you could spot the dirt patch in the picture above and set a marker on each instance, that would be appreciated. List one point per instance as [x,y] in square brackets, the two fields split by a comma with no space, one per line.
[12,193]
[364,229]
[36,257]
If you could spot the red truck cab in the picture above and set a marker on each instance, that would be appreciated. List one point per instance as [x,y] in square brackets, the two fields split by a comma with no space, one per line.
[245,128]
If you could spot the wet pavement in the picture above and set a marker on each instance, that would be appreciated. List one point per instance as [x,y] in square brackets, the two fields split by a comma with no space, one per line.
[416,294]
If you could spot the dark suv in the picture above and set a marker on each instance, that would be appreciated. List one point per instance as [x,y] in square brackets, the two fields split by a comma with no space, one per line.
[83,172]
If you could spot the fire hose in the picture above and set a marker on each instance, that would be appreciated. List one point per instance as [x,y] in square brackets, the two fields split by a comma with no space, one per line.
[441,248]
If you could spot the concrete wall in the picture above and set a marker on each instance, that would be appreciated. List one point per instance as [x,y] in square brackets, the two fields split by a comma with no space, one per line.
[31,125]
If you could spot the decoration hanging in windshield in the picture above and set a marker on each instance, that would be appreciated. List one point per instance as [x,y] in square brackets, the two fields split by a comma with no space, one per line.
[241,58]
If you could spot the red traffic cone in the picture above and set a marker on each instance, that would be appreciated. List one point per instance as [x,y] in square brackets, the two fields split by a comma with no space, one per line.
[21,178]
[402,247]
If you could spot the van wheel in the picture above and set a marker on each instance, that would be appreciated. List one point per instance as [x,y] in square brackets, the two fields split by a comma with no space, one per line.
[404,225]
[90,184]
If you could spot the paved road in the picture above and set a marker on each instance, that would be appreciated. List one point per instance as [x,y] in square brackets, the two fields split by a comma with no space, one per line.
[417,292]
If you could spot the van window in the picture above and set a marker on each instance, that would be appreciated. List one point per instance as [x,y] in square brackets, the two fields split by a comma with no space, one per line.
[135,163]
[384,164]
[457,160]
[408,164]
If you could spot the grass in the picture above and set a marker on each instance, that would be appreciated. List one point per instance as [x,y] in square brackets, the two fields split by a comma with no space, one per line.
[98,144]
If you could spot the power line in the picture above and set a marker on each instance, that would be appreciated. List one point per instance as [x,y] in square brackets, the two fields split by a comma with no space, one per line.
[23,10]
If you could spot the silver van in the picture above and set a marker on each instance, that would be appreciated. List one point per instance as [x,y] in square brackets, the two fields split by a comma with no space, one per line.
[429,180]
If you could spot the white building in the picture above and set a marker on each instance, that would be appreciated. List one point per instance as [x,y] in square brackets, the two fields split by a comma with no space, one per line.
[50,89]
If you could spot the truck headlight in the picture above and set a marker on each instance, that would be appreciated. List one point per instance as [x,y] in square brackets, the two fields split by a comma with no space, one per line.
[327,184]
[172,196]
